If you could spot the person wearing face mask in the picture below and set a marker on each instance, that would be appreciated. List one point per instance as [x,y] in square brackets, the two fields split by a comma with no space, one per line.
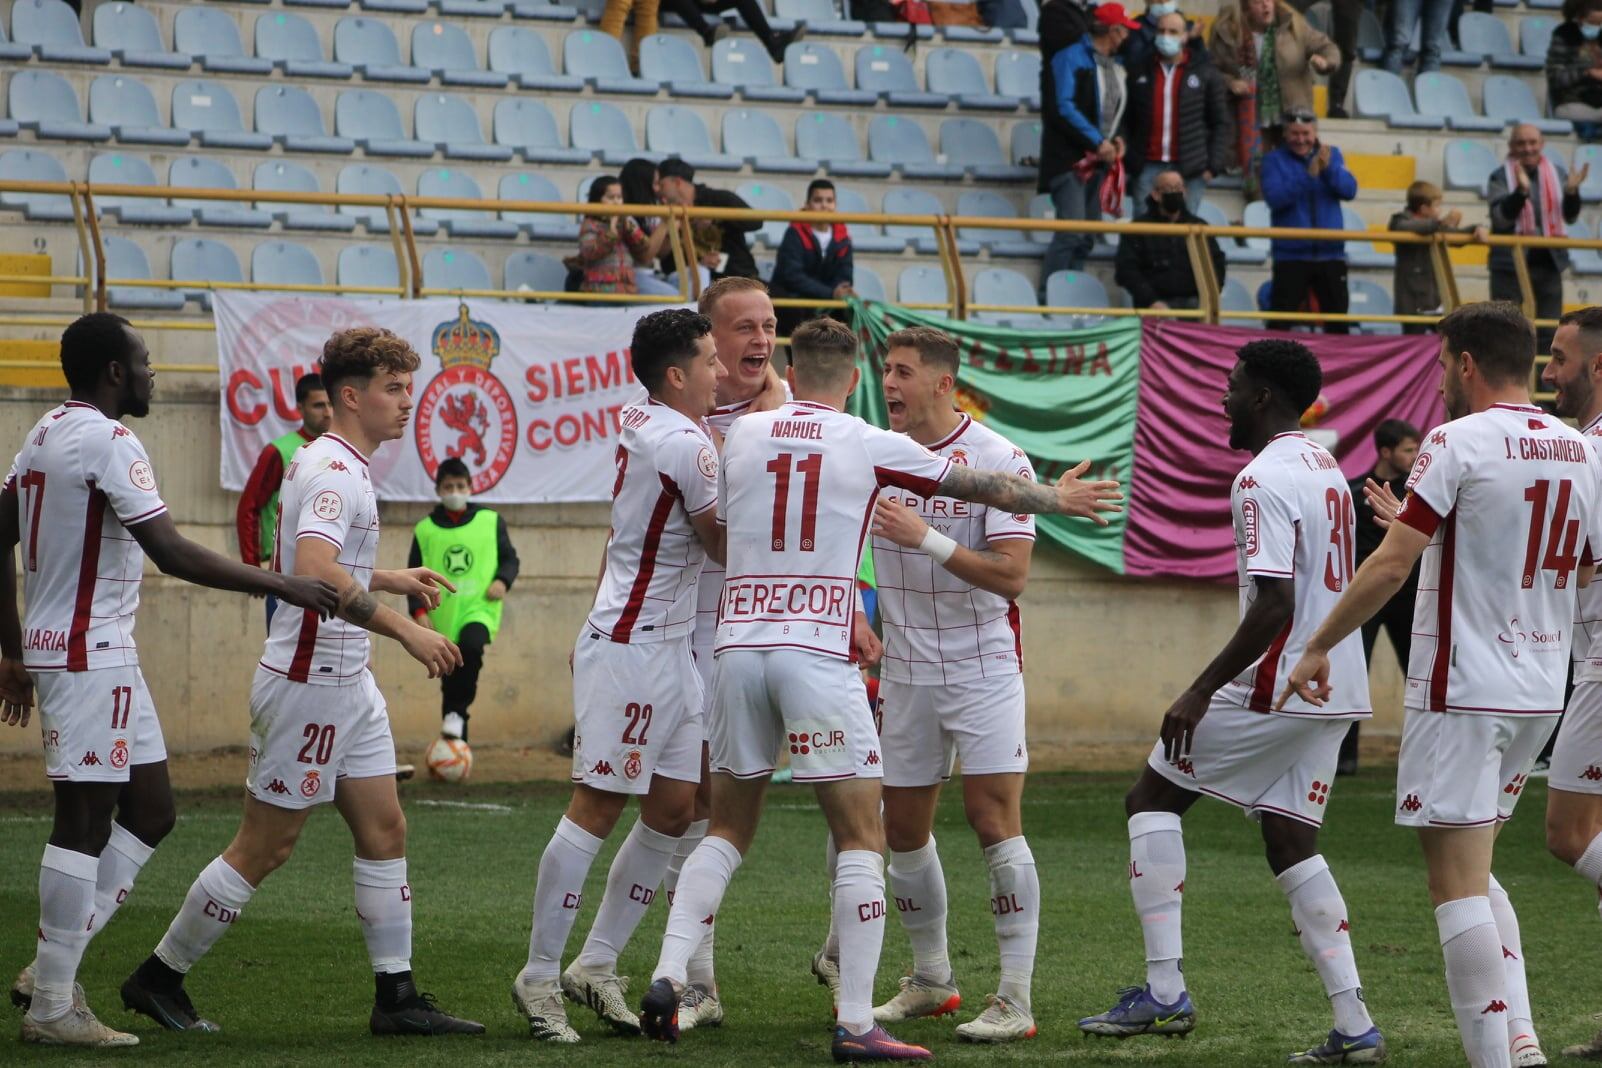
[1156,269]
[1574,65]
[1178,115]
[1142,43]
[470,546]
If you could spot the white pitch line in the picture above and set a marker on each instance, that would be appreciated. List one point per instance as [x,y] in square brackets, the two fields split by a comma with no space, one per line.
[476,806]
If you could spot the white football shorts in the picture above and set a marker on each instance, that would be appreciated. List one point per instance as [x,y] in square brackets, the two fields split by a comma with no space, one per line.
[96,724]
[816,706]
[304,738]
[637,710]
[1459,769]
[1577,753]
[924,728]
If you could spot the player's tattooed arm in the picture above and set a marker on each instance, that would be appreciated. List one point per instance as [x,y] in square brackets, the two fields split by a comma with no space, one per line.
[1001,569]
[357,606]
[1069,496]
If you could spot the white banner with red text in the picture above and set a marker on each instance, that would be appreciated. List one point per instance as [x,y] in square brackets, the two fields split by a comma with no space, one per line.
[527,395]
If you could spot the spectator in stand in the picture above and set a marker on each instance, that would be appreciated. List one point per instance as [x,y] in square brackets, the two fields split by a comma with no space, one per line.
[638,178]
[1178,115]
[814,261]
[1574,66]
[1141,44]
[1528,197]
[615,15]
[611,245]
[1304,182]
[1415,288]
[720,248]
[1080,147]
[1268,55]
[695,12]
[1344,16]
[1431,16]
[1156,269]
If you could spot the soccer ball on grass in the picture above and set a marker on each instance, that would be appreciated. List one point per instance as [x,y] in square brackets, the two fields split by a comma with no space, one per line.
[449,760]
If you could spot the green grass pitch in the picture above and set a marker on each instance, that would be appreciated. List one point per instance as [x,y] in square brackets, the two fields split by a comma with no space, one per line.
[290,985]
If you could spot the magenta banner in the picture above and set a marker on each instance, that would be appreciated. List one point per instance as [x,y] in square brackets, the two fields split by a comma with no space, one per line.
[1179,523]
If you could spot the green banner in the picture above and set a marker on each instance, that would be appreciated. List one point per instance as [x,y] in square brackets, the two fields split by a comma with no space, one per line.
[1061,396]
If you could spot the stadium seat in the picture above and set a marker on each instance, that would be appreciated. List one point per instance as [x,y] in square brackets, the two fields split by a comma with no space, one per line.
[397,7]
[1018,74]
[126,260]
[816,69]
[528,128]
[828,137]
[821,16]
[1535,34]
[480,9]
[975,144]
[888,73]
[679,131]
[445,49]
[987,203]
[1444,94]
[1002,285]
[1234,251]
[284,263]
[130,33]
[204,172]
[460,222]
[116,168]
[51,28]
[212,36]
[1510,100]
[866,281]
[449,122]
[761,142]
[44,102]
[536,272]
[744,65]
[543,10]
[901,143]
[371,119]
[1362,253]
[1382,95]
[1075,289]
[902,200]
[672,62]
[1370,298]
[761,195]
[922,285]
[364,179]
[523,186]
[1041,207]
[124,103]
[602,128]
[369,45]
[955,73]
[599,60]
[292,45]
[10,51]
[30,165]
[368,266]
[1258,214]
[1232,296]
[208,110]
[1025,144]
[455,268]
[290,116]
[1585,261]
[1590,155]
[1486,35]
[286,176]
[865,237]
[339,4]
[1468,165]
[522,55]
[201,259]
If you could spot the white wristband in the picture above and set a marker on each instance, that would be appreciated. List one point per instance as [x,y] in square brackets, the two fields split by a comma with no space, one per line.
[937,545]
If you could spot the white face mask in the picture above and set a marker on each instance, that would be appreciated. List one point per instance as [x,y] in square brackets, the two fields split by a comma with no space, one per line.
[1169,46]
[453,502]
[1157,11]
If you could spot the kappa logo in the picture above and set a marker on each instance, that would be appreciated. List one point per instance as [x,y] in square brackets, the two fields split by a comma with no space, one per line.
[1515,786]
[708,921]
[1248,483]
[1319,792]
[1185,766]
[1411,803]
[277,787]
[632,765]
[91,759]
[1019,754]
[1438,438]
[873,759]
[1592,774]
[1508,954]
[338,465]
[1344,925]
[602,768]
[1496,1005]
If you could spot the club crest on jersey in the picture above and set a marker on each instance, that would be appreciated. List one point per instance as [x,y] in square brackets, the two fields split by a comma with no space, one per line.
[707,462]
[958,456]
[327,505]
[140,474]
[632,765]
[311,784]
[465,412]
[119,753]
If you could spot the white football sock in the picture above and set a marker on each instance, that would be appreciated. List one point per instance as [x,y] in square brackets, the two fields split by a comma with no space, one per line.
[631,884]
[919,885]
[1475,979]
[859,903]
[1157,883]
[1015,902]
[66,919]
[1520,1019]
[702,884]
[700,970]
[384,905]
[1590,862]
[1319,913]
[120,863]
[558,892]
[831,862]
[213,903]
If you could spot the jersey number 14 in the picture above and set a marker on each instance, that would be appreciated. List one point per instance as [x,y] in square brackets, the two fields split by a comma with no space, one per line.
[1560,534]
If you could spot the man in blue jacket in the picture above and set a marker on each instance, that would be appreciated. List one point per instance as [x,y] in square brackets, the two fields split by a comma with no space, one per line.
[1304,182]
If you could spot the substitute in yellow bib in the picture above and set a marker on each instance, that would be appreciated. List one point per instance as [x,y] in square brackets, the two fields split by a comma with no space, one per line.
[470,546]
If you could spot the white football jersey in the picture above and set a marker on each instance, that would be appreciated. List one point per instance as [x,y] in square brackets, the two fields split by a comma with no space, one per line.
[667,471]
[1294,520]
[1587,653]
[798,488]
[937,627]
[81,481]
[1509,498]
[327,493]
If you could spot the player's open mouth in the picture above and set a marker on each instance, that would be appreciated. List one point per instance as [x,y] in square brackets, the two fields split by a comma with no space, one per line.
[894,407]
[753,365]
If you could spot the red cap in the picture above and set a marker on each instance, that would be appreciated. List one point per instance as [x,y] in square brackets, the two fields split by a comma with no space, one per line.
[1114,15]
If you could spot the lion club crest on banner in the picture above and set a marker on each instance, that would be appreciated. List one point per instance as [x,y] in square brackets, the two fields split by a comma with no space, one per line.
[466,412]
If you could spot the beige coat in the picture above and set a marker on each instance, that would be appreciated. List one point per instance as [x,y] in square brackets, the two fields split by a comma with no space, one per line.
[1294,43]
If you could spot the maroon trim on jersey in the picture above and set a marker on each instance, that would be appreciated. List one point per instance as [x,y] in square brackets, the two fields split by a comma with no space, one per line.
[924,487]
[1015,621]
[1518,408]
[653,541]
[953,436]
[1262,698]
[305,645]
[1417,513]
[78,404]
[1286,434]
[1443,617]
[348,446]
[813,405]
[88,574]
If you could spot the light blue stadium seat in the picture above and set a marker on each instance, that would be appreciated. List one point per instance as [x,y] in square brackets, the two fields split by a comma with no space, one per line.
[828,137]
[371,119]
[816,69]
[902,200]
[1041,207]
[1029,36]
[340,4]
[368,266]
[1362,253]
[284,263]
[599,60]
[1018,74]
[460,222]
[680,131]
[1258,214]
[117,168]
[32,165]
[125,104]
[290,116]
[821,16]
[1535,34]
[1233,296]
[601,128]
[397,7]
[534,271]
[761,142]
[543,10]
[528,128]
[51,28]
[449,122]
[1439,93]
[760,196]
[366,179]
[479,9]
[291,44]
[212,36]
[445,49]
[370,46]
[955,73]
[522,55]
[1382,95]
[11,52]
[1509,99]
[1025,144]
[672,62]
[886,72]
[206,172]
[1370,298]
[130,33]
[866,281]
[126,260]
[287,176]
[455,268]
[1486,35]
[902,143]
[200,259]
[744,65]
[921,285]
[987,203]
[525,186]
[44,102]
[1002,285]
[1076,289]
[1586,261]
[208,110]
[1234,252]
[1591,188]
[865,237]
[972,144]
[1469,165]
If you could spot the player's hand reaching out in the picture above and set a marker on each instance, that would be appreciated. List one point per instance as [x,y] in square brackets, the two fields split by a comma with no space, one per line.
[433,650]
[1309,680]
[867,644]
[1382,501]
[420,582]
[1179,725]
[1087,500]
[312,594]
[895,522]
[16,693]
